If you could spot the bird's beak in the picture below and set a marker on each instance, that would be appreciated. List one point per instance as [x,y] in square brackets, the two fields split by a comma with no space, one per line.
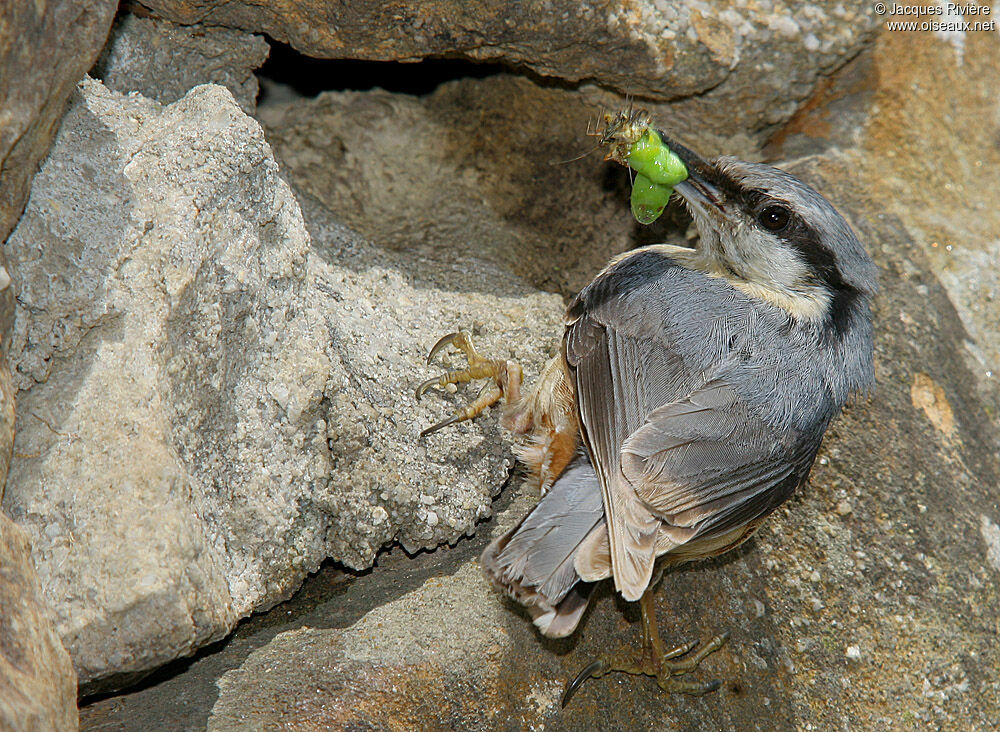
[699,189]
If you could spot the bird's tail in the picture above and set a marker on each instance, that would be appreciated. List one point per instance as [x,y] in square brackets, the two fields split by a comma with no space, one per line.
[534,562]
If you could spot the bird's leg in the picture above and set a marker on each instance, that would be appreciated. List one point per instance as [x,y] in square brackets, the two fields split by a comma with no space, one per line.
[506,376]
[652,660]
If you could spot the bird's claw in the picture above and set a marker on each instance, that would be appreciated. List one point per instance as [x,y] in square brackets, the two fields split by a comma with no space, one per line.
[593,670]
[440,425]
[447,340]
[506,376]
[665,671]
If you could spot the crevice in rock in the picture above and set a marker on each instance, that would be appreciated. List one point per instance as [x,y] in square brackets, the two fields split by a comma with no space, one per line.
[307,76]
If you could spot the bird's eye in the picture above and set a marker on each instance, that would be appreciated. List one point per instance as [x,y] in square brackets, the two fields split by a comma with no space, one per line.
[774,218]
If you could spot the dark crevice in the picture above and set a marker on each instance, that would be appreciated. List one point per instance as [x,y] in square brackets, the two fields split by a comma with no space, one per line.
[309,76]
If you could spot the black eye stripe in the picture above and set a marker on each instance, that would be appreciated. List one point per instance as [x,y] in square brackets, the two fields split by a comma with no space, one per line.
[820,259]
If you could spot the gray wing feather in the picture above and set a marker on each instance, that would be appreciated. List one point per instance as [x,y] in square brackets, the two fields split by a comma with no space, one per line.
[708,462]
[613,401]
[540,551]
[534,562]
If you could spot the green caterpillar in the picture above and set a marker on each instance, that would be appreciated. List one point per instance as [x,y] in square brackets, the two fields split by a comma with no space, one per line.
[657,170]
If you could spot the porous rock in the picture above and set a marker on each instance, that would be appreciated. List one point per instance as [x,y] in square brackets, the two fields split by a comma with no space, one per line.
[485,165]
[212,400]
[418,646]
[501,165]
[44,50]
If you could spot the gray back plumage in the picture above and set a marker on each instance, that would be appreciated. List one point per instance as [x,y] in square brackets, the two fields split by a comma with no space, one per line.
[791,373]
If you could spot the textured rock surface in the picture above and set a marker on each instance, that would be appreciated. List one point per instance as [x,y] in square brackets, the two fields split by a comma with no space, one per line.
[752,61]
[163,61]
[476,165]
[915,586]
[34,92]
[7,419]
[399,666]
[44,49]
[209,406]
[870,603]
[37,683]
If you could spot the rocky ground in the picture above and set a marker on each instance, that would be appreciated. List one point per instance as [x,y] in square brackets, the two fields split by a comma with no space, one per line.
[222,310]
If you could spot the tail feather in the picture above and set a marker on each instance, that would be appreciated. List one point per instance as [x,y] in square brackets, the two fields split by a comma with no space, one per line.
[534,562]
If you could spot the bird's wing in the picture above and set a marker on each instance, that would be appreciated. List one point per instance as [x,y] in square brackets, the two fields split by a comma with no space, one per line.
[679,458]
[617,379]
[707,464]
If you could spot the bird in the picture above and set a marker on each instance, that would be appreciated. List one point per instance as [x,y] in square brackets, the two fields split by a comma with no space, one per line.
[688,400]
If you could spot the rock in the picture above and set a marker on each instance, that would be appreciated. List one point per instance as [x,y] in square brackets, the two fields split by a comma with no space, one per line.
[37,683]
[918,464]
[751,63]
[212,401]
[477,163]
[383,311]
[7,418]
[45,48]
[163,61]
[400,666]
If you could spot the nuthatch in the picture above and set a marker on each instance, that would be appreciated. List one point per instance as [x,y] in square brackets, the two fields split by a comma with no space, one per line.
[700,382]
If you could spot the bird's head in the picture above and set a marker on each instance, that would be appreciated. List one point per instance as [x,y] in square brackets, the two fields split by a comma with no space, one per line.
[773,236]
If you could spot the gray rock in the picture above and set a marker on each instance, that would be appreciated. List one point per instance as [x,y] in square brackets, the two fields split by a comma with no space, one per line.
[212,401]
[436,628]
[432,679]
[383,311]
[162,61]
[44,50]
[37,683]
[750,62]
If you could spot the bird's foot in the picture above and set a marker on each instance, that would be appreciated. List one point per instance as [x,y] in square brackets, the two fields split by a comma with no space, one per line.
[665,670]
[505,375]
[651,660]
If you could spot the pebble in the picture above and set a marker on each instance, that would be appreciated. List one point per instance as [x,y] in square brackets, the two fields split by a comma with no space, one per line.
[844,508]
